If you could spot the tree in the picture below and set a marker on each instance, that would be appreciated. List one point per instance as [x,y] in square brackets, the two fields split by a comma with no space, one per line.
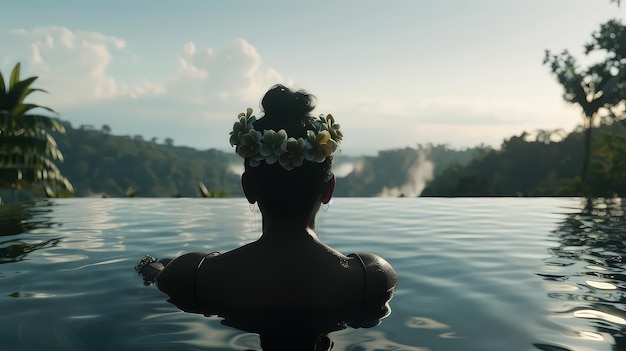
[610,168]
[599,88]
[27,148]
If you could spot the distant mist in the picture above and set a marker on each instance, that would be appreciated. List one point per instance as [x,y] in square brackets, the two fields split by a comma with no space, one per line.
[419,173]
[392,173]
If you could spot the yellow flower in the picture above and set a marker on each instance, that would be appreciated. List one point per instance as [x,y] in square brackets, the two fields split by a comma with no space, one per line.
[273,146]
[319,145]
[333,128]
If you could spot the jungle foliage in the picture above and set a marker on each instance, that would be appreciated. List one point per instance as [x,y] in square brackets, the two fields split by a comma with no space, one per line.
[105,165]
[599,89]
[28,150]
[528,165]
[100,164]
[533,164]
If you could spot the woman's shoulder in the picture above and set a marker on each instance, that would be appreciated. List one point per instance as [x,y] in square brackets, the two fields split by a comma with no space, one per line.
[380,278]
[178,278]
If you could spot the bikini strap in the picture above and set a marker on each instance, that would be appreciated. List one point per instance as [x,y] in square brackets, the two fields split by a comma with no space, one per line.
[195,275]
[380,278]
[365,283]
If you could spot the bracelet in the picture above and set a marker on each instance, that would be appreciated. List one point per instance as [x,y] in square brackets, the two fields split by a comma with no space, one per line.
[146,260]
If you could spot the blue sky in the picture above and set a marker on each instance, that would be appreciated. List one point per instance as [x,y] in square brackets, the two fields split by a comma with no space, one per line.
[394,73]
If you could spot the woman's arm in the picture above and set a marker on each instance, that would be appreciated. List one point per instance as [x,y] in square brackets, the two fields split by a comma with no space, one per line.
[381,279]
[177,277]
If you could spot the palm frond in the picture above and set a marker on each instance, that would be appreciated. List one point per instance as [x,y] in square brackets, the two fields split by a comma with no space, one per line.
[2,87]
[15,76]
[27,147]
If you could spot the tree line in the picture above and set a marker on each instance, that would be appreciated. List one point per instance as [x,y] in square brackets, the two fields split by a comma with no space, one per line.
[101,164]
[542,163]
[532,165]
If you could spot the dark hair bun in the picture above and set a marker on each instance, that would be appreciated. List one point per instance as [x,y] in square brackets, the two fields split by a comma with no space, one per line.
[285,107]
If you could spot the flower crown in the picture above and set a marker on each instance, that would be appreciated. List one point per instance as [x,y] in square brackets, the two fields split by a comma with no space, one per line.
[272,146]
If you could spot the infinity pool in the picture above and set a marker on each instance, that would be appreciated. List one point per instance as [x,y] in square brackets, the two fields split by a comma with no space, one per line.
[474,273]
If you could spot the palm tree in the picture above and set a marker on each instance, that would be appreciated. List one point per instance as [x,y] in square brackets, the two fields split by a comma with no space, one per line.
[599,87]
[27,148]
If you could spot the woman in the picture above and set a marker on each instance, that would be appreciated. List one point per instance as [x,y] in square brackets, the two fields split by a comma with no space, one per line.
[288,156]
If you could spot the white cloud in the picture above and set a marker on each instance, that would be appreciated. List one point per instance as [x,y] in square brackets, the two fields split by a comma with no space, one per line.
[94,78]
[74,66]
[232,74]
[189,48]
[87,75]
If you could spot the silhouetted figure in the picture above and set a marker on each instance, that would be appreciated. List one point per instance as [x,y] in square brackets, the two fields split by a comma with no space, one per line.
[287,286]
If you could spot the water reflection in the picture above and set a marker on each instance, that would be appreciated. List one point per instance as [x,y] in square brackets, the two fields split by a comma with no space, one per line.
[586,274]
[294,328]
[19,219]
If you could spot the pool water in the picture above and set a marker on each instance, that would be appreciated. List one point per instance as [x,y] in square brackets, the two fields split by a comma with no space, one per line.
[474,273]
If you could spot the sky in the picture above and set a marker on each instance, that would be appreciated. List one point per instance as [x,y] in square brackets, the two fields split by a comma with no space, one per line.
[394,74]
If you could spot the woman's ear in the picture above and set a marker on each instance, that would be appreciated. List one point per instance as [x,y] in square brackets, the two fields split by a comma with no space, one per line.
[330,187]
[249,187]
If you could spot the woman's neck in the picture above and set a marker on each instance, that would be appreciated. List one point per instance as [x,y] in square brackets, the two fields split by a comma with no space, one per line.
[289,227]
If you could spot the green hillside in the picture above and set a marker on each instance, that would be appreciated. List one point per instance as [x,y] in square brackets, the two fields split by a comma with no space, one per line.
[100,164]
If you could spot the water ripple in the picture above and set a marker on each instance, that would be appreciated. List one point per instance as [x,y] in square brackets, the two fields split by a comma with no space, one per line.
[474,274]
